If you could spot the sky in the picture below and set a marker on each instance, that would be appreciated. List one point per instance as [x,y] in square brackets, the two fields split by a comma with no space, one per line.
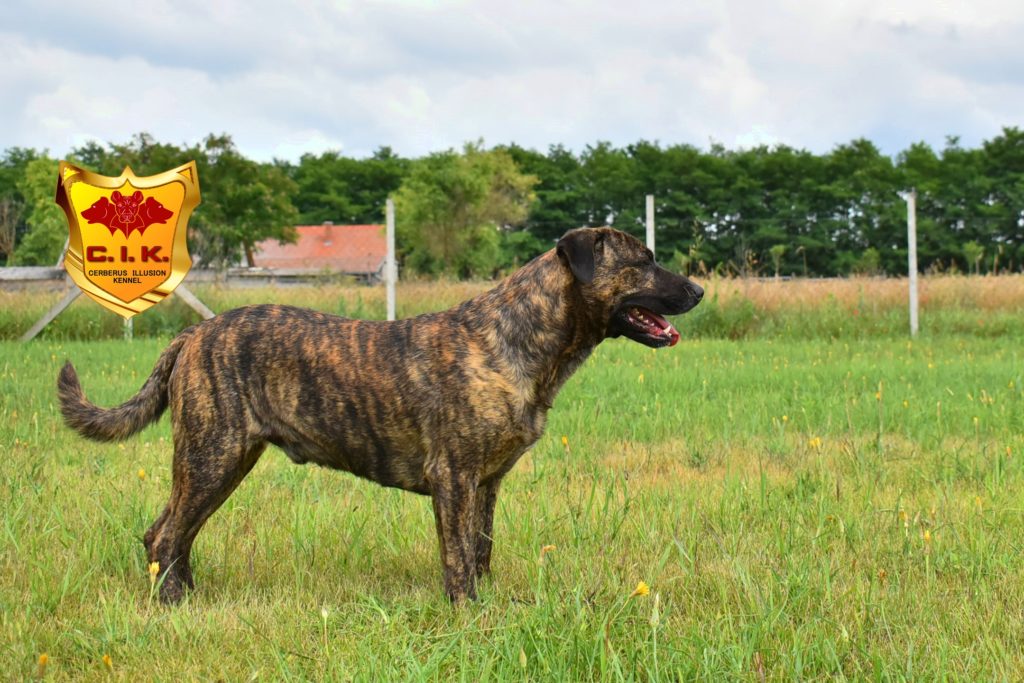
[285,79]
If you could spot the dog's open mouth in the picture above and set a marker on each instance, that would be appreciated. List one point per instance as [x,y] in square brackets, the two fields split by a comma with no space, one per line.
[649,327]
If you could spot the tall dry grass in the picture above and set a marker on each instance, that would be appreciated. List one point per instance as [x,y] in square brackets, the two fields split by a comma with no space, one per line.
[987,293]
[733,307]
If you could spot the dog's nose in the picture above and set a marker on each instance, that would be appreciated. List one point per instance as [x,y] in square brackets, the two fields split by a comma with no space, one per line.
[698,291]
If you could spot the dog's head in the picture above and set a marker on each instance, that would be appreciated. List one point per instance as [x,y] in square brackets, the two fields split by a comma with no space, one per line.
[127,208]
[624,287]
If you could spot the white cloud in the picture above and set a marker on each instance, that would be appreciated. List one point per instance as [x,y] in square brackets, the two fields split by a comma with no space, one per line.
[289,78]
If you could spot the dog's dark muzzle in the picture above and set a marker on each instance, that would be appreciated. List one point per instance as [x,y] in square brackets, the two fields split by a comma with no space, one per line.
[641,317]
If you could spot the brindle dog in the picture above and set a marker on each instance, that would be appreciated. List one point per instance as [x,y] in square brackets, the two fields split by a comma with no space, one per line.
[442,404]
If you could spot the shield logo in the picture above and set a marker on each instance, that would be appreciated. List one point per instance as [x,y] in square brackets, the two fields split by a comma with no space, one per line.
[127,248]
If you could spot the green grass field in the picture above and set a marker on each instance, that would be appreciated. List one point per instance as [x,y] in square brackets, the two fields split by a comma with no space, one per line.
[800,509]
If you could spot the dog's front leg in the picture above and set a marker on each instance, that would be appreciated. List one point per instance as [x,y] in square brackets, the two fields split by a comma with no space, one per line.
[486,497]
[454,495]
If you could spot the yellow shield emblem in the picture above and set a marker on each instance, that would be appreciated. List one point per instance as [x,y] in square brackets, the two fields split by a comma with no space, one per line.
[127,249]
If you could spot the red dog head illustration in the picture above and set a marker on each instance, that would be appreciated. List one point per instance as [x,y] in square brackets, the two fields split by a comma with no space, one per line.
[126,213]
[127,208]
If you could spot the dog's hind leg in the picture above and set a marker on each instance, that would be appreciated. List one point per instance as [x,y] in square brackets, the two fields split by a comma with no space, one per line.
[205,474]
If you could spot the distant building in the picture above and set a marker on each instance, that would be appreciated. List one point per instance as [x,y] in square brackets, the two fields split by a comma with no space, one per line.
[357,250]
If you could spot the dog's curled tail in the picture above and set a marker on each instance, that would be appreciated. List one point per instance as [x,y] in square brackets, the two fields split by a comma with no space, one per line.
[114,424]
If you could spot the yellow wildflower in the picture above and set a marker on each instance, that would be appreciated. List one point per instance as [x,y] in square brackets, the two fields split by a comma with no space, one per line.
[41,671]
[815,443]
[142,474]
[154,569]
[641,378]
[785,418]
[641,590]
[108,661]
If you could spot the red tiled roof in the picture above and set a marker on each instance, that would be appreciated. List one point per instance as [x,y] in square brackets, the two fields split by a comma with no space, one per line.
[353,249]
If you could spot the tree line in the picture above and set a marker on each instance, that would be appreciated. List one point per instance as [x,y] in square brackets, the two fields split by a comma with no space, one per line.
[481,211]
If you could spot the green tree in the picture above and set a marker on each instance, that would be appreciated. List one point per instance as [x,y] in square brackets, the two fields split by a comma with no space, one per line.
[332,187]
[560,204]
[868,263]
[864,210]
[244,202]
[610,188]
[974,253]
[144,154]
[452,209]
[519,246]
[47,227]
[13,211]
[1003,165]
[951,191]
[674,177]
[679,262]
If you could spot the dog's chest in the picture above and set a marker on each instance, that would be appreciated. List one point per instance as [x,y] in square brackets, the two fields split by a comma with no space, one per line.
[504,446]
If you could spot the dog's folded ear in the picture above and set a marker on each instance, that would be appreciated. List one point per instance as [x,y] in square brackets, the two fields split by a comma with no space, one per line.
[578,248]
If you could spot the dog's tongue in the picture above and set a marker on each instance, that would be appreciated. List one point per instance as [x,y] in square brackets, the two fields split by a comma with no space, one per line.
[656,325]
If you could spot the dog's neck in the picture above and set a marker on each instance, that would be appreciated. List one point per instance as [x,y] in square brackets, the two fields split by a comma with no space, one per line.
[537,325]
